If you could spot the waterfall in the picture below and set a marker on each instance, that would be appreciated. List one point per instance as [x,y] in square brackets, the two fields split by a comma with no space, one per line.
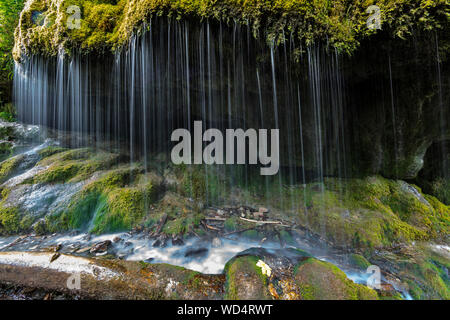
[175,72]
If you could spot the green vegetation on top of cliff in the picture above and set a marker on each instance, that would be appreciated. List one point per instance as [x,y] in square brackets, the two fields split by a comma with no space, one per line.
[9,16]
[108,24]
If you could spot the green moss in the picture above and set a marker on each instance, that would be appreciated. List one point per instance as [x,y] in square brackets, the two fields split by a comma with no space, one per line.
[182,224]
[71,166]
[109,24]
[372,212]
[435,278]
[7,116]
[415,291]
[10,219]
[359,261]
[116,200]
[440,188]
[286,237]
[425,272]
[319,280]
[49,151]
[8,167]
[231,224]
[40,228]
[390,296]
[242,272]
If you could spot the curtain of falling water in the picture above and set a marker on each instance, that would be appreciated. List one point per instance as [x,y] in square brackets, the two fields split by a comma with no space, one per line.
[176,72]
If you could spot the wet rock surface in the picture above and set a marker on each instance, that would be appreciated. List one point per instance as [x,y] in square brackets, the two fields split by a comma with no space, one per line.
[46,186]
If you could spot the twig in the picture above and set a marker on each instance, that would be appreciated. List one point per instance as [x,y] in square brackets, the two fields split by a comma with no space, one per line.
[279,223]
[260,221]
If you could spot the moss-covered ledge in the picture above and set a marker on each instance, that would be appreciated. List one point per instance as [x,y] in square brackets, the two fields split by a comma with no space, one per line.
[108,24]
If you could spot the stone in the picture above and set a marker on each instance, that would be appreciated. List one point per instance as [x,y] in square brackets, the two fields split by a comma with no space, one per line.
[55,256]
[196,252]
[100,247]
[177,240]
[161,242]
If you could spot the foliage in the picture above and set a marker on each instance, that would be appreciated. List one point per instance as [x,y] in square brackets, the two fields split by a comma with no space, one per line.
[109,24]
[9,16]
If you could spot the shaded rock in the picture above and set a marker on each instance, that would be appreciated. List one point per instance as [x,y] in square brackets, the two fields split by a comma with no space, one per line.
[359,261]
[196,252]
[177,240]
[161,242]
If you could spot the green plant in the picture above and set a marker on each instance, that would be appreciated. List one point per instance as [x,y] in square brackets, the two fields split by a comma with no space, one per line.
[9,17]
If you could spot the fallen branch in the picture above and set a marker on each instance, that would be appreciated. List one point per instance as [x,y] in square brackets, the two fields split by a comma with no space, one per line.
[211,227]
[260,221]
[279,223]
[216,219]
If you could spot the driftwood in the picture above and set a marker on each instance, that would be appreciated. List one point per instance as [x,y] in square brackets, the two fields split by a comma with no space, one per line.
[261,222]
[278,223]
[211,227]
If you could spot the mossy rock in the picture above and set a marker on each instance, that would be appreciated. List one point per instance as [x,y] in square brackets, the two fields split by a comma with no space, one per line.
[71,165]
[371,212]
[244,280]
[116,200]
[431,276]
[319,280]
[49,151]
[8,167]
[9,220]
[359,261]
